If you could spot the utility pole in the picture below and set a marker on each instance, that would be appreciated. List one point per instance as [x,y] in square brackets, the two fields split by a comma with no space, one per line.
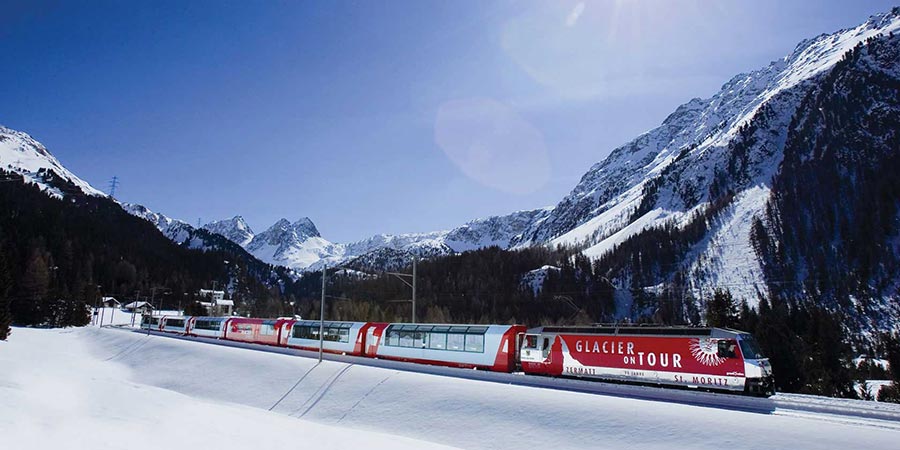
[137,296]
[402,277]
[322,315]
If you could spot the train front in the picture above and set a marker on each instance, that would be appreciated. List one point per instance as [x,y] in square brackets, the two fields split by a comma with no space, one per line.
[757,369]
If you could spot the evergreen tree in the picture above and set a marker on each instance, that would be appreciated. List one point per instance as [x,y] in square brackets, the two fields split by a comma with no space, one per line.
[5,313]
[721,311]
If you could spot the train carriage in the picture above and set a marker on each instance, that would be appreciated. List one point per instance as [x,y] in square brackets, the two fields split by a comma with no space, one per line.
[712,358]
[490,347]
[338,337]
[207,326]
[260,331]
[150,322]
[175,324]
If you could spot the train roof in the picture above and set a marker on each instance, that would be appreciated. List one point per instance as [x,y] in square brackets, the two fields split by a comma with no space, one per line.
[633,330]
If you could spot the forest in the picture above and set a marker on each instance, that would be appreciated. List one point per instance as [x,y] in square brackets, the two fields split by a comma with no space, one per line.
[58,256]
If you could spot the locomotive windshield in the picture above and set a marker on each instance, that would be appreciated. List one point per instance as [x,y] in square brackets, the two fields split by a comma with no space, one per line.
[750,348]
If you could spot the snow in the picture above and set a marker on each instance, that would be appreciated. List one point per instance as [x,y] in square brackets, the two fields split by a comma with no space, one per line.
[56,395]
[880,362]
[726,257]
[874,386]
[20,153]
[104,387]
[534,279]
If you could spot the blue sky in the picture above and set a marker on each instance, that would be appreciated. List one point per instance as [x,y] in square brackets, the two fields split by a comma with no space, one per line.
[370,117]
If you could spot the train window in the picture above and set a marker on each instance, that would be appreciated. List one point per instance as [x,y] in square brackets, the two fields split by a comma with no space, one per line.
[456,341]
[344,335]
[750,348]
[441,328]
[207,325]
[393,338]
[266,330]
[175,323]
[458,329]
[477,330]
[407,339]
[438,341]
[546,343]
[727,348]
[475,343]
[424,328]
[531,341]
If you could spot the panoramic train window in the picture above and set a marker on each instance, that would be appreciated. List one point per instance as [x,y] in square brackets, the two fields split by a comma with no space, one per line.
[332,332]
[266,330]
[437,341]
[461,338]
[456,341]
[207,325]
[175,323]
[474,342]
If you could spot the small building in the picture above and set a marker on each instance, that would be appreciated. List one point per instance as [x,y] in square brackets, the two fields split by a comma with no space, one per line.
[139,307]
[216,304]
[110,302]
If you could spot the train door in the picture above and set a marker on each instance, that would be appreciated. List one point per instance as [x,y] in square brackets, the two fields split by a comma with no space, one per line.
[530,349]
[517,350]
[370,345]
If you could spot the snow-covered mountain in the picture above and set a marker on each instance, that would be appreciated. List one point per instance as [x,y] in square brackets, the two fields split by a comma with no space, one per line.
[21,154]
[301,247]
[178,231]
[295,245]
[719,153]
[235,229]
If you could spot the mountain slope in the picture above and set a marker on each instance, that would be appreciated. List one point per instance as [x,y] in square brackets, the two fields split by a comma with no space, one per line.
[21,154]
[720,154]
[844,143]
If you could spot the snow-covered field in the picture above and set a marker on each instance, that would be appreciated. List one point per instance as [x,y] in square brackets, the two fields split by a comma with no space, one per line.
[106,388]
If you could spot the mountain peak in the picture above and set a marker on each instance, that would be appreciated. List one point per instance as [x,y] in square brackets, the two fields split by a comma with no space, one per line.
[235,229]
[306,227]
[21,153]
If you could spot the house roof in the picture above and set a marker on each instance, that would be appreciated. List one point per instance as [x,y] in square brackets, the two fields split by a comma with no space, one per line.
[138,305]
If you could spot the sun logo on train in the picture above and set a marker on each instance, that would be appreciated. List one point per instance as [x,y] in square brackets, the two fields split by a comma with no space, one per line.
[705,352]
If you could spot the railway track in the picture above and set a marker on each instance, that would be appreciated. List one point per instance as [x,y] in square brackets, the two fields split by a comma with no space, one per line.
[884,415]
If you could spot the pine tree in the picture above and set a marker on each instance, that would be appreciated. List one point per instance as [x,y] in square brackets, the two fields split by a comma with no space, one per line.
[5,313]
[721,311]
[30,306]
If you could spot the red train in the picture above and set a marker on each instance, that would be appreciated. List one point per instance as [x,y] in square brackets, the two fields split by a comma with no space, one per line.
[709,358]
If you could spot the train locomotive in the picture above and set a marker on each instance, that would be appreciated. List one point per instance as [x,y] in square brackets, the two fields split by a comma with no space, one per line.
[717,359]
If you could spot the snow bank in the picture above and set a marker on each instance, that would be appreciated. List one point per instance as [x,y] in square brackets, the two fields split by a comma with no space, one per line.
[107,388]
[55,395]
[458,412]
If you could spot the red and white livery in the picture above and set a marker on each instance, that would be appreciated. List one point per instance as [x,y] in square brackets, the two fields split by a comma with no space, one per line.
[712,358]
